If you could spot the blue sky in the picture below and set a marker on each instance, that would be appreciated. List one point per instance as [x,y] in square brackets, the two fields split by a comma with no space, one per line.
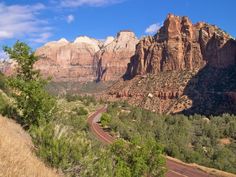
[37,22]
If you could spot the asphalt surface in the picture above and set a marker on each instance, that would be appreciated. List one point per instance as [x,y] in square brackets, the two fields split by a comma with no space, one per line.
[175,169]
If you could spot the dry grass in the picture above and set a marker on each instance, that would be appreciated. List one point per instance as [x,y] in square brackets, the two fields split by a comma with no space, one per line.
[16,156]
[212,171]
[225,141]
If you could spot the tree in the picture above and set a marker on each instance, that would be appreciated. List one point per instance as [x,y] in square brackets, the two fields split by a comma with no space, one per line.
[105,119]
[28,87]
[138,158]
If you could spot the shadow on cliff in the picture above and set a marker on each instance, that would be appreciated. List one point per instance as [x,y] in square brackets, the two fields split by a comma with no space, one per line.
[212,91]
[131,68]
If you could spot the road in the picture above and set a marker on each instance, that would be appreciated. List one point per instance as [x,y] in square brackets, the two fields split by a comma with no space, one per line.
[175,169]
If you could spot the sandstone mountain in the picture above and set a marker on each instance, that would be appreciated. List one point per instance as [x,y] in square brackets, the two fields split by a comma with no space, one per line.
[188,68]
[185,67]
[181,45]
[65,61]
[87,59]
[113,58]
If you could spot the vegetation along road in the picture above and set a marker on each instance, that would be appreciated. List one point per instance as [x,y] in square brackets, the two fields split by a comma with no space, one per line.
[175,169]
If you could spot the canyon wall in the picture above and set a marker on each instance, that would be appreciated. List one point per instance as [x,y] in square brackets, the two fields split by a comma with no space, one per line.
[188,68]
[113,58]
[87,59]
[180,45]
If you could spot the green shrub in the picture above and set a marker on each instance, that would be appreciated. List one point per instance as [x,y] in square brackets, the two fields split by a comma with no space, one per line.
[191,139]
[81,111]
[2,82]
[59,149]
[105,119]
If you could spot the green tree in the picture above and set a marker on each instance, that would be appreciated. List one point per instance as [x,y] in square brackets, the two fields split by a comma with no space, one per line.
[105,119]
[81,111]
[28,88]
[138,158]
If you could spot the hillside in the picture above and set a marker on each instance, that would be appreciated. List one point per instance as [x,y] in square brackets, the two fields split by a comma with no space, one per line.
[17,158]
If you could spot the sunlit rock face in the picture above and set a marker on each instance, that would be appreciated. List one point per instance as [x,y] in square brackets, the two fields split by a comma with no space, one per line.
[65,61]
[87,59]
[185,68]
[181,45]
[113,57]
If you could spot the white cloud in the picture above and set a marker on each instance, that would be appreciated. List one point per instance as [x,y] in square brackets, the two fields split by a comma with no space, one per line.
[19,21]
[41,38]
[5,34]
[70,18]
[152,29]
[78,3]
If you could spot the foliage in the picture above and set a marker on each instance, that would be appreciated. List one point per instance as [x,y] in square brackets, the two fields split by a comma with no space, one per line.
[81,111]
[138,158]
[191,139]
[105,119]
[127,159]
[2,82]
[67,144]
[57,148]
[27,87]
[87,100]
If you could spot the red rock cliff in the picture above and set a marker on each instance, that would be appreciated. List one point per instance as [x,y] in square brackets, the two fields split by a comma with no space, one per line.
[181,45]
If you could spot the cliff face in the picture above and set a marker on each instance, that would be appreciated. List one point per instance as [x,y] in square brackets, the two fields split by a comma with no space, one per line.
[185,67]
[114,57]
[65,62]
[181,45]
[87,59]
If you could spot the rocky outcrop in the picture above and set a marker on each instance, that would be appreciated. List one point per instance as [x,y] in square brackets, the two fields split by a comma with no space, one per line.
[87,59]
[181,45]
[114,57]
[185,67]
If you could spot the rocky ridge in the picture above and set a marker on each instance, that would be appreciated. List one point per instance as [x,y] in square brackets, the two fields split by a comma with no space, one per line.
[87,59]
[169,70]
[180,45]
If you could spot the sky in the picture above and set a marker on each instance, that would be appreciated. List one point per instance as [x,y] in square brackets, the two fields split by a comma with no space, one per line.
[37,22]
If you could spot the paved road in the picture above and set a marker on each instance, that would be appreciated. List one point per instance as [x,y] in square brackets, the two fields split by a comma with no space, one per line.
[175,169]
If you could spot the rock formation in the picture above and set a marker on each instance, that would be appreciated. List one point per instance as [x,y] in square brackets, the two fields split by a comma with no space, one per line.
[114,57]
[183,66]
[181,45]
[87,59]
[68,62]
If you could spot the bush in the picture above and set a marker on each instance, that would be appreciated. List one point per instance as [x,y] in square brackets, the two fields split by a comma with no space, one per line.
[2,82]
[191,139]
[105,119]
[138,158]
[58,149]
[81,111]
[71,98]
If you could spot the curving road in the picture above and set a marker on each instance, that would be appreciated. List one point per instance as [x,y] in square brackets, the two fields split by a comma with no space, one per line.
[175,169]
